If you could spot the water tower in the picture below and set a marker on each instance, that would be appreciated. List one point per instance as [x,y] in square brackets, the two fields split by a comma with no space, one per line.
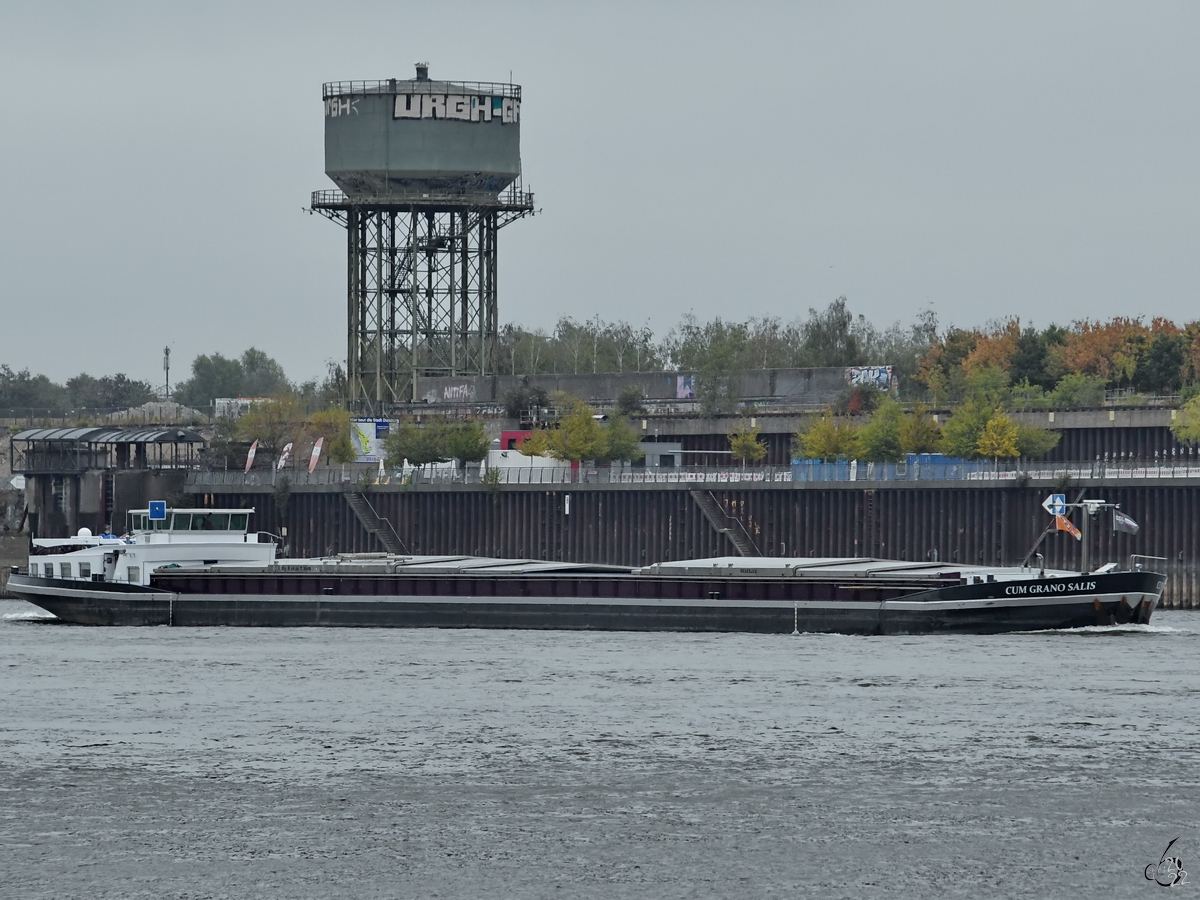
[429,172]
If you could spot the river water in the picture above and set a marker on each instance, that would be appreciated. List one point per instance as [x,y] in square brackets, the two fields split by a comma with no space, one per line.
[306,763]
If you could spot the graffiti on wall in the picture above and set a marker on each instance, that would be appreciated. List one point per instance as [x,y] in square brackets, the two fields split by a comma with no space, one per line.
[685,387]
[870,376]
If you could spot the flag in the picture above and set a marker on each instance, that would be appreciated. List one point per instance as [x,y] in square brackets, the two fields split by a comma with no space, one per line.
[316,454]
[250,455]
[283,457]
[1122,522]
[1065,524]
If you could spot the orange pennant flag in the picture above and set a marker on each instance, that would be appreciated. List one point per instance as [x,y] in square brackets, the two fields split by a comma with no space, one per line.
[1065,524]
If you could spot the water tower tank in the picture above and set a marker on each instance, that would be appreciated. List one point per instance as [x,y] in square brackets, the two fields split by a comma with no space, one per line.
[421,137]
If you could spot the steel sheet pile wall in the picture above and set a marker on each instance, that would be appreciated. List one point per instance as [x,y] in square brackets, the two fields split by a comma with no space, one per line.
[631,527]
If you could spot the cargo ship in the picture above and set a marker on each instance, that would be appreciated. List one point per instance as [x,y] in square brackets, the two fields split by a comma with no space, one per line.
[200,568]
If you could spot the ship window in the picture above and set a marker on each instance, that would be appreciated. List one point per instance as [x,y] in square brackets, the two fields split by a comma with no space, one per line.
[64,569]
[181,522]
[85,570]
[133,574]
[237,522]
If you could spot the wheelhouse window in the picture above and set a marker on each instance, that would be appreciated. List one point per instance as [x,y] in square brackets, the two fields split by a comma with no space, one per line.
[181,522]
[64,570]
[237,522]
[85,570]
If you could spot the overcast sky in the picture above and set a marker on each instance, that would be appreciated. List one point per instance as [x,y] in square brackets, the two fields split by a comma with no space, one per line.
[986,160]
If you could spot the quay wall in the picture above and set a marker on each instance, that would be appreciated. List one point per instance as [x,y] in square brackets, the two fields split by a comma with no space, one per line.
[634,525]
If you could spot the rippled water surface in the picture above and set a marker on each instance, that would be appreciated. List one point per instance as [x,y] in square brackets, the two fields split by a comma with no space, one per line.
[159,762]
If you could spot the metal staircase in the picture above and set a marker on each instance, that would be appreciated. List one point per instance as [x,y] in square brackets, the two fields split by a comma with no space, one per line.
[725,524]
[374,523]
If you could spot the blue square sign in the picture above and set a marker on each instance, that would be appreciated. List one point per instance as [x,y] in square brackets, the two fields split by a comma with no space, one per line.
[158,510]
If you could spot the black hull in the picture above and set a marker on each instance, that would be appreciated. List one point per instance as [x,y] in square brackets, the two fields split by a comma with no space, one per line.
[1116,599]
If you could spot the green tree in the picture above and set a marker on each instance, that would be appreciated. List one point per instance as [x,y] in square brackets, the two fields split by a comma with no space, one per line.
[21,390]
[745,445]
[1186,426]
[999,437]
[418,444]
[879,440]
[107,392]
[629,400]
[212,376]
[621,440]
[960,436]
[578,435]
[467,441]
[1077,391]
[828,438]
[1033,442]
[919,433]
[262,376]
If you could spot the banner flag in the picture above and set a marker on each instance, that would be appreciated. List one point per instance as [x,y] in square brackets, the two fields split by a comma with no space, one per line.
[316,454]
[1065,524]
[1122,522]
[283,457]
[250,455]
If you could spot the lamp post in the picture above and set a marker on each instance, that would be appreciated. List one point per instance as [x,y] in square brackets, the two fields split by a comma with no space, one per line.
[167,370]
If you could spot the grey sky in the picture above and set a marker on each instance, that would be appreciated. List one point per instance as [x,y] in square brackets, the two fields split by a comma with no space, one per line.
[1029,159]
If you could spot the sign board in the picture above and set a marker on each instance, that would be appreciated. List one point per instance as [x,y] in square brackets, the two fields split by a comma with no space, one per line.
[158,510]
[368,435]
[1055,504]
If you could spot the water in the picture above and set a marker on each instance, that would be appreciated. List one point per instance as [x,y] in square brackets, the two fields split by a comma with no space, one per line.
[196,763]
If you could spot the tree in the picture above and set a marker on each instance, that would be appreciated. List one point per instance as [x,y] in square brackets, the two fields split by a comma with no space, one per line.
[419,445]
[629,400]
[21,390]
[999,437]
[262,376]
[1076,391]
[1186,426]
[960,436]
[333,425]
[578,435]
[879,440]
[621,440]
[107,392]
[827,438]
[212,376]
[832,337]
[1160,367]
[745,445]
[919,433]
[1033,442]
[536,444]
[274,424]
[467,441]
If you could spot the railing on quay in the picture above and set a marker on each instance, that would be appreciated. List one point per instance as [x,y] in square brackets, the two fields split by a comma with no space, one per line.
[407,86]
[801,472]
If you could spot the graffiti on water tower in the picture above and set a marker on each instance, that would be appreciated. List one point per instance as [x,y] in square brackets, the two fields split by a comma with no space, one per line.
[460,107]
[870,376]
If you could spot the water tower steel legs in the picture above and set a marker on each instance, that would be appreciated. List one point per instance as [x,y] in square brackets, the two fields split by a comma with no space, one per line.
[421,299]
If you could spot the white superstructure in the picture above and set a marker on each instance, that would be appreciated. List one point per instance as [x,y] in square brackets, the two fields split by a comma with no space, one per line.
[186,537]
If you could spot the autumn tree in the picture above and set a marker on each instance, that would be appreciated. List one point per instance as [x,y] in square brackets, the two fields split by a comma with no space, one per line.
[828,438]
[745,444]
[333,425]
[998,438]
[274,424]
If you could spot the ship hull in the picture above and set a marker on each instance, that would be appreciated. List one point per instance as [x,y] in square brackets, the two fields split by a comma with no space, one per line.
[1117,598]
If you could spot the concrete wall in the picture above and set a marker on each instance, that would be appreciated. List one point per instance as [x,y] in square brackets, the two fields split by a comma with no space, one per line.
[813,388]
